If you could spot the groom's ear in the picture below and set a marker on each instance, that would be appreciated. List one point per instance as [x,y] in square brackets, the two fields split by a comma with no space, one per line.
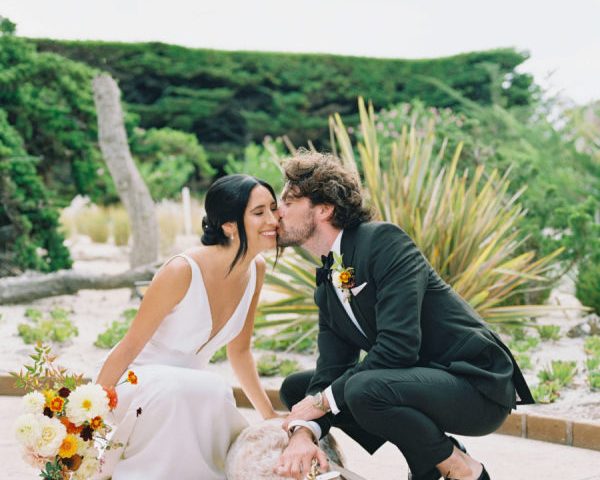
[325,211]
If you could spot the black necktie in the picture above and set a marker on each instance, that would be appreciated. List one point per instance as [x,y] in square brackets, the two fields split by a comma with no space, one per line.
[324,272]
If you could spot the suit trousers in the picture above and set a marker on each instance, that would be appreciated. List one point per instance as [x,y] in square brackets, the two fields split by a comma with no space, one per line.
[411,407]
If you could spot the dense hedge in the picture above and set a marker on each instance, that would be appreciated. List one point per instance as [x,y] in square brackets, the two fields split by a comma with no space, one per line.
[229,99]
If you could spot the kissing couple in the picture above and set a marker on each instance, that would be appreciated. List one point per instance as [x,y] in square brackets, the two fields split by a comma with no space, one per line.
[431,367]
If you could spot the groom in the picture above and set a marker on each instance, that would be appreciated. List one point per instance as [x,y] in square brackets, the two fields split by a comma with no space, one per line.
[431,364]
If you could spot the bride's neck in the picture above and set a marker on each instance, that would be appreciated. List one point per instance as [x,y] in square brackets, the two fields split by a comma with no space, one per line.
[223,258]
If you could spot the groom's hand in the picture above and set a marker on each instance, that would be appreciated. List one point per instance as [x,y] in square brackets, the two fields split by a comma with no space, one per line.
[296,459]
[303,410]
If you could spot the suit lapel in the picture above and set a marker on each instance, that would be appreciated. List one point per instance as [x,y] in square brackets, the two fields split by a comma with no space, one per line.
[348,249]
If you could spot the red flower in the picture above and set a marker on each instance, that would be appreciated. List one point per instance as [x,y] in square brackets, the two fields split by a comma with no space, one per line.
[64,392]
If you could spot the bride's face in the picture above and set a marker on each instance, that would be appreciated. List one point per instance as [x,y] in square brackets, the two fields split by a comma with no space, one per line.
[260,220]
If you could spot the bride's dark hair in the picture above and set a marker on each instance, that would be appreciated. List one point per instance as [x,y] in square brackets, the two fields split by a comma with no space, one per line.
[226,201]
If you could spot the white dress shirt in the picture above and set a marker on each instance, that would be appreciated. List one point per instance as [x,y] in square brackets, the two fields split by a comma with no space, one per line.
[336,248]
[314,426]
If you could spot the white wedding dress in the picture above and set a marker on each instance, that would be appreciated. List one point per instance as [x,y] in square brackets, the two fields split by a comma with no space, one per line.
[188,415]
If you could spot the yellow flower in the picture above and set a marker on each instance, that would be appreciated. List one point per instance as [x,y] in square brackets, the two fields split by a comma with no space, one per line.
[68,447]
[49,395]
[345,277]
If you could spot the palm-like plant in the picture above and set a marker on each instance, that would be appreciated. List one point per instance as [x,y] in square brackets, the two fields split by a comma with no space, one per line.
[465,225]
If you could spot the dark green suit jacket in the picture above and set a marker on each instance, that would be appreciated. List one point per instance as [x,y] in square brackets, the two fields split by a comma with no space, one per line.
[411,317]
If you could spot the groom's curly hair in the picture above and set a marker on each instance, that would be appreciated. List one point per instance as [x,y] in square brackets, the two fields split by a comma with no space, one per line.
[324,180]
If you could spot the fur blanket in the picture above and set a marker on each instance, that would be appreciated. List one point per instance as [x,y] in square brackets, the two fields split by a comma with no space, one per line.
[256,451]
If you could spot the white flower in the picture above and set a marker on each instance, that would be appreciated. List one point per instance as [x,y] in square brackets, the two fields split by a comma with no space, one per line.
[86,402]
[33,403]
[335,279]
[87,469]
[27,429]
[51,436]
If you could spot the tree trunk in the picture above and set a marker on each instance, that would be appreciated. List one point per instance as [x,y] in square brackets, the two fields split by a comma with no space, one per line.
[26,288]
[131,188]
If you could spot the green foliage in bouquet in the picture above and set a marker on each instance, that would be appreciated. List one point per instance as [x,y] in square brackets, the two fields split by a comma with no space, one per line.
[466,225]
[56,328]
[117,330]
[44,374]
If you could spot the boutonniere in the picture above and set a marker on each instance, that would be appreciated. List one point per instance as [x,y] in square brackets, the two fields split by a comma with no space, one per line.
[342,276]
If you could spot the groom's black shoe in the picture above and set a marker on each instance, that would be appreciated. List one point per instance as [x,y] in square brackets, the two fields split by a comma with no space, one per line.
[434,474]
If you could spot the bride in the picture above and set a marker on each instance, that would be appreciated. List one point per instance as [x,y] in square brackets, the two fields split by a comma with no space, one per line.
[197,302]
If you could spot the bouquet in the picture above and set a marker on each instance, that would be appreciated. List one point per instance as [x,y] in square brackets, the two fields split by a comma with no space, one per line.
[62,425]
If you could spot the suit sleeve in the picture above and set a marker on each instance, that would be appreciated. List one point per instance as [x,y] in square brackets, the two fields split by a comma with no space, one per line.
[335,357]
[400,274]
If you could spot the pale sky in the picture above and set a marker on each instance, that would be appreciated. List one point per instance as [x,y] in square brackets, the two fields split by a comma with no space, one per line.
[563,37]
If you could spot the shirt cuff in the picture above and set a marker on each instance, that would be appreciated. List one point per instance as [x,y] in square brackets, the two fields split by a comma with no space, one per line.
[312,426]
[328,392]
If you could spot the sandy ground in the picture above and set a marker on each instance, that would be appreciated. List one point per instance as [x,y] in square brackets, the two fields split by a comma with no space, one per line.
[93,310]
[506,458]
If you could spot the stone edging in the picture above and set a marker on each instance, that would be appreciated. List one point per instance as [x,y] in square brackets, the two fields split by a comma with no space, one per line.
[525,425]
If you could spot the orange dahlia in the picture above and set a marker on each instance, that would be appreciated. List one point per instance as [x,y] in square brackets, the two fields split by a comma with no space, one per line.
[96,423]
[57,404]
[131,377]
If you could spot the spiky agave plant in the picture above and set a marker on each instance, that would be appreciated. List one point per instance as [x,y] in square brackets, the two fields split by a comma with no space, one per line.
[465,225]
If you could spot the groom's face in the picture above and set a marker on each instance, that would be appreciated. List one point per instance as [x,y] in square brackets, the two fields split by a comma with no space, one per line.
[297,220]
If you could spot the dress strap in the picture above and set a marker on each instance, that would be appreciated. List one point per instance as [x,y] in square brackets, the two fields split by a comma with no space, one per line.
[194,266]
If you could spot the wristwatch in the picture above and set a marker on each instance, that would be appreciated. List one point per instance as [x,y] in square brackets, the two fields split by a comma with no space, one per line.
[318,402]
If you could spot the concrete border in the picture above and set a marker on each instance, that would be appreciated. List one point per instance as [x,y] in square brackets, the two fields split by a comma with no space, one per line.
[526,425]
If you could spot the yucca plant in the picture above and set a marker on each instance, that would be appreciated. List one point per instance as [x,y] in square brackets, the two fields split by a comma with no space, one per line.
[465,225]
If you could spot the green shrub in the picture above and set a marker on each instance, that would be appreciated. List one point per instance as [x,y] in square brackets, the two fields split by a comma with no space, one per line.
[117,330]
[120,225]
[168,160]
[524,345]
[269,365]
[523,360]
[591,345]
[220,355]
[260,161]
[594,380]
[546,392]
[229,99]
[587,286]
[58,328]
[592,363]
[94,222]
[561,372]
[548,332]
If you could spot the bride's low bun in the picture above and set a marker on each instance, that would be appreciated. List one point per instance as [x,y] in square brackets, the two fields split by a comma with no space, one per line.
[213,234]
